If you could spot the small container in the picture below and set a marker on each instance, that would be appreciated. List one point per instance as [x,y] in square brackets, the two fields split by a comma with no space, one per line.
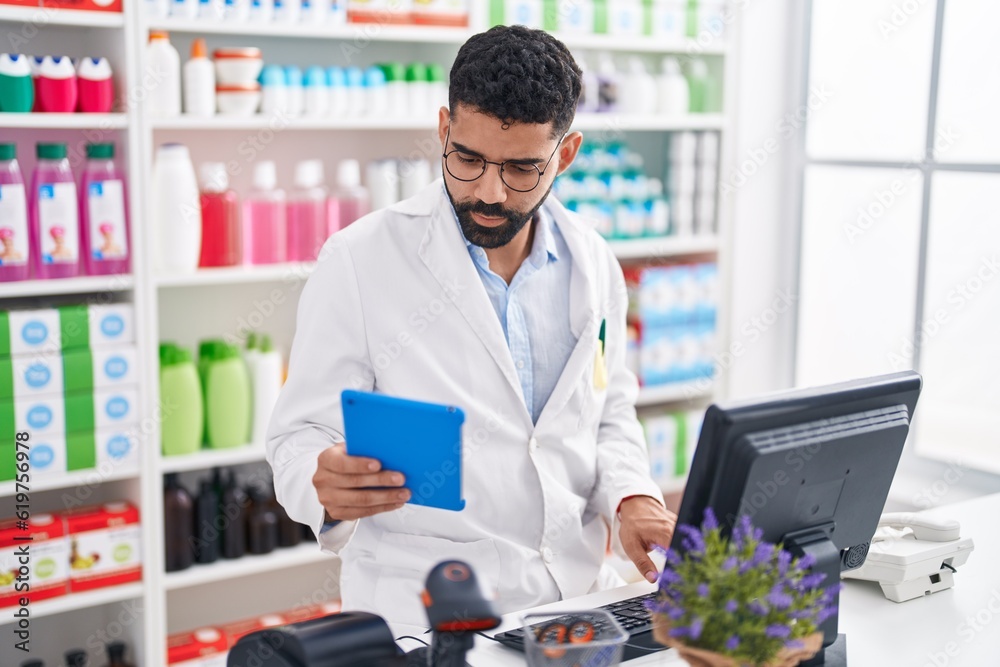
[261,11]
[604,650]
[211,10]
[95,85]
[199,82]
[234,100]
[17,90]
[57,85]
[296,93]
[317,93]
[237,65]
[274,90]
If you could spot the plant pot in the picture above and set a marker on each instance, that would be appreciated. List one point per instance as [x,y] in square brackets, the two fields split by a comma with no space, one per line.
[699,657]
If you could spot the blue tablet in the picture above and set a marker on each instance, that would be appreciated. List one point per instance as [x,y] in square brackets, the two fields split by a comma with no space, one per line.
[421,440]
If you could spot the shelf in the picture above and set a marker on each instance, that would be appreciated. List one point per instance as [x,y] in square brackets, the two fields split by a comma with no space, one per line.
[41,16]
[669,246]
[641,44]
[673,393]
[77,601]
[222,570]
[211,458]
[60,121]
[91,284]
[68,480]
[639,122]
[362,32]
[284,123]
[235,275]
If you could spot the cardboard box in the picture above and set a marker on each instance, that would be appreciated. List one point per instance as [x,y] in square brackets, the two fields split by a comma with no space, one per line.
[205,647]
[382,12]
[87,5]
[49,331]
[75,412]
[46,574]
[453,13]
[117,450]
[71,371]
[105,546]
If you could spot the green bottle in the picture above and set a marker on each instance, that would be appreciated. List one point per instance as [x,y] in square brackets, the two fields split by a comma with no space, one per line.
[180,395]
[228,398]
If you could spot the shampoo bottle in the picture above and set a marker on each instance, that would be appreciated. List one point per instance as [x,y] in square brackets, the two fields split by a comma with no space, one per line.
[55,224]
[104,213]
[14,251]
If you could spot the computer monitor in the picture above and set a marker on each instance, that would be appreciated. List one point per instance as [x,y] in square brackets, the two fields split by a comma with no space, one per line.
[812,468]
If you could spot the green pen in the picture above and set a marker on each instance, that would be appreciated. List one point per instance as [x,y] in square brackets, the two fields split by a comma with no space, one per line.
[600,336]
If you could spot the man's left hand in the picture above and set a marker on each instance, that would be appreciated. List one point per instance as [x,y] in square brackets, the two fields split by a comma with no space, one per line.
[644,523]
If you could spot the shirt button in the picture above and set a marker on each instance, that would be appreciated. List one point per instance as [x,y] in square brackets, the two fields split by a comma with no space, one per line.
[533,443]
[520,363]
[547,555]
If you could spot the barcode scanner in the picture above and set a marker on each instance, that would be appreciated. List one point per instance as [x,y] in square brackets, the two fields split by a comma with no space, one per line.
[456,610]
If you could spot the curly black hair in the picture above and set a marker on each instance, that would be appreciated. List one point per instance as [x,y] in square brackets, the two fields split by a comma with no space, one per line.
[517,75]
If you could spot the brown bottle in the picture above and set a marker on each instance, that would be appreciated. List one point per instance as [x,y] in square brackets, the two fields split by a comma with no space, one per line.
[234,507]
[116,655]
[32,663]
[76,658]
[289,530]
[178,521]
[262,524]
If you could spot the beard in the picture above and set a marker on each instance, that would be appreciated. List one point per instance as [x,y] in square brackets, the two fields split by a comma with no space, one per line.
[492,237]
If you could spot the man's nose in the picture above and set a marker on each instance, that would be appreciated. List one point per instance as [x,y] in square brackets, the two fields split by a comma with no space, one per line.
[490,188]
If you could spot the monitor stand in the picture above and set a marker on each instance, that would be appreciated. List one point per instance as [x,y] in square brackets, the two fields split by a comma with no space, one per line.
[816,541]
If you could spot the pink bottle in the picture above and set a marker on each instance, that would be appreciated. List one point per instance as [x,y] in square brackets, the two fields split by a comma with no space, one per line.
[104,213]
[14,251]
[221,238]
[54,211]
[264,213]
[353,199]
[95,86]
[56,88]
[307,219]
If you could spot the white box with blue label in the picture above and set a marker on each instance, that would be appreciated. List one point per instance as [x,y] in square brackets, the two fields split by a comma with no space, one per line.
[57,414]
[44,374]
[52,330]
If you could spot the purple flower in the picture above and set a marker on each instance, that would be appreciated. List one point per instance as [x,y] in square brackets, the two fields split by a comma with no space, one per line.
[703,590]
[693,541]
[805,562]
[668,577]
[778,631]
[830,594]
[676,614]
[673,558]
[800,614]
[784,559]
[729,563]
[732,606]
[758,608]
[680,631]
[732,643]
[742,531]
[696,626]
[710,522]
[811,581]
[795,643]
[745,566]
[825,613]
[779,599]
[762,554]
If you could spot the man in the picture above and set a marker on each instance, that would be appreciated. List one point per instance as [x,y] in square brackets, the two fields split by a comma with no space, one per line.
[481,293]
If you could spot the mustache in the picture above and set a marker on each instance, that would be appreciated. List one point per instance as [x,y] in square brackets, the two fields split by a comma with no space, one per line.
[482,208]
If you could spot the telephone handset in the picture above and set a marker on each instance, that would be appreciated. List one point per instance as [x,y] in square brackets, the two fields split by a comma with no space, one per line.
[912,555]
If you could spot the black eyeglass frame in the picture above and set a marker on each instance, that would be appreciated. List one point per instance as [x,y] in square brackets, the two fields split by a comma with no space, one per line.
[487,163]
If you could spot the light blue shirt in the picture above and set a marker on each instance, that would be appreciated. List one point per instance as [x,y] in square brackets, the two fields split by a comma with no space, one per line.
[534,310]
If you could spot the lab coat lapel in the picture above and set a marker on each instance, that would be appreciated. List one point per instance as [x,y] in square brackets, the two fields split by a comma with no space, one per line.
[445,254]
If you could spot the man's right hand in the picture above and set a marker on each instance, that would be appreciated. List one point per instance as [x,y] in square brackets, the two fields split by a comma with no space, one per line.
[347,486]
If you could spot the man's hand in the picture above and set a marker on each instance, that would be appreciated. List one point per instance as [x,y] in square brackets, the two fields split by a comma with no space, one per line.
[345,484]
[644,523]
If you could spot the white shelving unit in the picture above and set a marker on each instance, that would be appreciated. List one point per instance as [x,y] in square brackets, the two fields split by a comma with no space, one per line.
[69,480]
[218,301]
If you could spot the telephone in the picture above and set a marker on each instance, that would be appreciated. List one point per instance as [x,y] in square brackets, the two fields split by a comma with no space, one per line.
[912,555]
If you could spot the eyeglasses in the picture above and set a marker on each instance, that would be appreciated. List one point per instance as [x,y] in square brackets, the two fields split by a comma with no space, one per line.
[515,174]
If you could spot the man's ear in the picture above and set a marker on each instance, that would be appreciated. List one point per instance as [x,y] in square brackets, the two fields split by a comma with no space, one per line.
[569,150]
[444,119]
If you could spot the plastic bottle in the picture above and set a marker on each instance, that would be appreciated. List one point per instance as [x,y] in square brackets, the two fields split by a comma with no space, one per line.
[336,79]
[17,89]
[274,90]
[95,85]
[176,210]
[157,9]
[317,93]
[307,224]
[262,524]
[182,428]
[228,402]
[205,534]
[178,524]
[234,506]
[673,94]
[164,64]
[287,11]
[15,255]
[237,11]
[104,213]
[199,82]
[418,88]
[376,93]
[32,663]
[382,177]
[211,10]
[289,530]
[116,655]
[397,88]
[267,372]
[76,658]
[607,82]
[184,9]
[438,83]
[296,93]
[657,210]
[353,200]
[221,233]
[56,86]
[35,65]
[261,11]
[54,215]
[638,89]
[315,12]
[699,83]
[355,91]
[590,96]
[265,215]
[414,176]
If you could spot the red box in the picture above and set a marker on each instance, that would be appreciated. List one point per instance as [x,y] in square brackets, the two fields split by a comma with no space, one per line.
[22,3]
[234,631]
[105,546]
[47,566]
[205,647]
[87,5]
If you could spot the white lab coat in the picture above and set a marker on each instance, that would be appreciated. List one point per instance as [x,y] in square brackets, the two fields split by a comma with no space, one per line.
[396,306]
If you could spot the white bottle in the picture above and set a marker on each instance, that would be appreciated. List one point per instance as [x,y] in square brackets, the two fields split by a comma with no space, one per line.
[266,376]
[317,93]
[296,94]
[673,95]
[377,93]
[352,197]
[176,210]
[211,10]
[261,11]
[638,90]
[164,63]
[315,12]
[383,183]
[414,176]
[287,11]
[199,82]
[590,98]
[157,9]
[184,9]
[236,10]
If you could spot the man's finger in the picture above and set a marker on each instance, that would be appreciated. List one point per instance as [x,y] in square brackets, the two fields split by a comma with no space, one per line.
[385,478]
[336,459]
[365,498]
[636,553]
[353,513]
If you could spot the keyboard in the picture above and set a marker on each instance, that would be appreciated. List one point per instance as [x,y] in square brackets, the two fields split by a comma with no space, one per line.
[631,614]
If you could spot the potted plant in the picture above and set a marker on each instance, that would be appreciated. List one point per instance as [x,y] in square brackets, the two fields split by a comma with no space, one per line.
[739,601]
